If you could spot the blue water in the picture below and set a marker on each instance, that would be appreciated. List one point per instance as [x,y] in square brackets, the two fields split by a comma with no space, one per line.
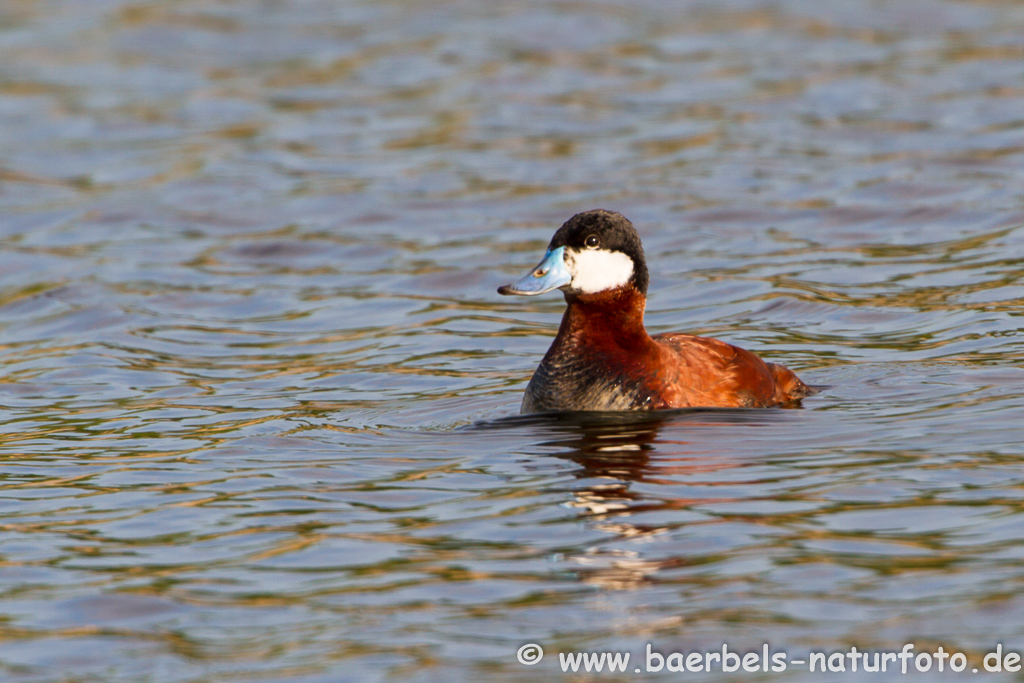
[259,394]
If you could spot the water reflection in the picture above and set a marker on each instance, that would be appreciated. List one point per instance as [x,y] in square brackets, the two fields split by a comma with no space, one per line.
[614,452]
[248,254]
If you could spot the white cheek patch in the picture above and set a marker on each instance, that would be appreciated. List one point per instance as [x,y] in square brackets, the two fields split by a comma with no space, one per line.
[595,270]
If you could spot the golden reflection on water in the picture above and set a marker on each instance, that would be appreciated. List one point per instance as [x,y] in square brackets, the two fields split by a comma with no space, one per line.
[258,391]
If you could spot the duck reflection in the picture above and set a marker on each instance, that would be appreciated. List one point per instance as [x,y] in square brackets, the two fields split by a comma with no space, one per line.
[630,464]
[612,454]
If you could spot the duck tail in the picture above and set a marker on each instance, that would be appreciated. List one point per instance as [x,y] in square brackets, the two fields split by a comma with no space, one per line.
[788,386]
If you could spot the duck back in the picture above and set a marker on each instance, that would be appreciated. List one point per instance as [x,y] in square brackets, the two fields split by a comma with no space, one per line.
[603,359]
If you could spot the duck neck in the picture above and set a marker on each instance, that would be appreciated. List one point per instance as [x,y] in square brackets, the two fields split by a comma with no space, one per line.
[614,316]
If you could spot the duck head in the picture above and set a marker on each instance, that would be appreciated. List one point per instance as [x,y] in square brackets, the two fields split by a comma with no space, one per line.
[593,252]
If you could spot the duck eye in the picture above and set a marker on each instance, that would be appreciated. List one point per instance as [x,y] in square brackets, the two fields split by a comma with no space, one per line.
[592,241]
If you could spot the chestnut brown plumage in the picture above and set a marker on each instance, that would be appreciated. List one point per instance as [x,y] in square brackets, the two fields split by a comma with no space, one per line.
[604,359]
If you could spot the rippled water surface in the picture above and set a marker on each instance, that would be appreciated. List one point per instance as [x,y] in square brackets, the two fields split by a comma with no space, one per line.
[259,394]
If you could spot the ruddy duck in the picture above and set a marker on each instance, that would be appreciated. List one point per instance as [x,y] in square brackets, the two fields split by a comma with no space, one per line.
[603,358]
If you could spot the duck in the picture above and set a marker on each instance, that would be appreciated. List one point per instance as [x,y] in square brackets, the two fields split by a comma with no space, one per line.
[603,358]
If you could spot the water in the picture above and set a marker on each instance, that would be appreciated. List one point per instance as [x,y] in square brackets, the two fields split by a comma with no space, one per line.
[259,394]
